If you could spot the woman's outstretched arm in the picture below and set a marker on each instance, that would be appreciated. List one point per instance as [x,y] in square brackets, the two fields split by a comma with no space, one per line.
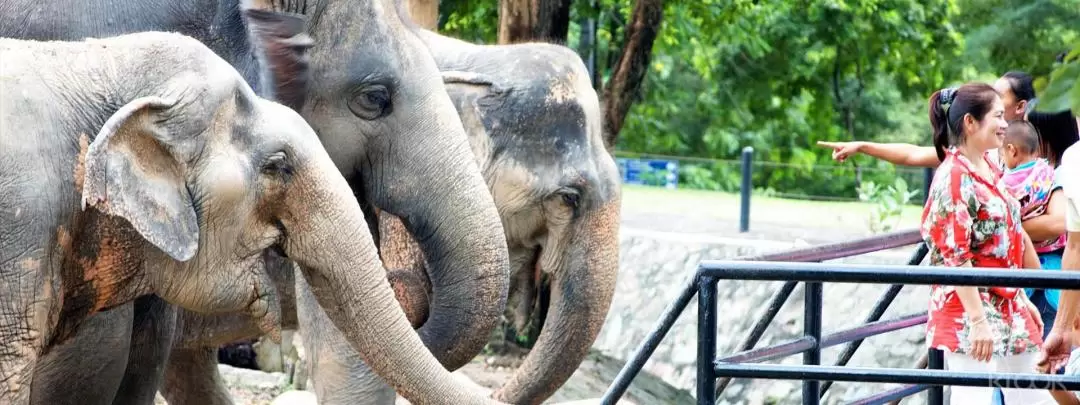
[904,154]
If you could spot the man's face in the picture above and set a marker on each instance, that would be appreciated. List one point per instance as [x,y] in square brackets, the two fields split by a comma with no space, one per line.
[1014,109]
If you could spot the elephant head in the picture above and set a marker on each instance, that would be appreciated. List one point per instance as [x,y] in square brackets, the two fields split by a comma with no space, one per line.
[558,195]
[534,125]
[378,104]
[211,176]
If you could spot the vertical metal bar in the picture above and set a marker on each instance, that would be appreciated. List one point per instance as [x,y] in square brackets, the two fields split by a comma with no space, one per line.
[928,177]
[880,307]
[706,352]
[812,328]
[746,188]
[647,347]
[778,300]
[935,361]
[921,363]
[589,35]
[875,315]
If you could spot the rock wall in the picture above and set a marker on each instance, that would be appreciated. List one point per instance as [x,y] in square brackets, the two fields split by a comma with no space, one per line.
[654,268]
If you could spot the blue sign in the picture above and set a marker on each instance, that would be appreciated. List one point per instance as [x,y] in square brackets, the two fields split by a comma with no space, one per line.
[649,172]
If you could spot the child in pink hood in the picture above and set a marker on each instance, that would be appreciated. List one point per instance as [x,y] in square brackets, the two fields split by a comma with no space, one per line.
[1030,179]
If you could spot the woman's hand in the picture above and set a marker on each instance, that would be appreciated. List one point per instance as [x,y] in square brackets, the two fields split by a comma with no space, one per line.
[842,150]
[981,339]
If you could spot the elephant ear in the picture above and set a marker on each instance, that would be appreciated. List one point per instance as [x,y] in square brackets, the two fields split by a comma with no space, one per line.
[131,171]
[281,45]
[486,89]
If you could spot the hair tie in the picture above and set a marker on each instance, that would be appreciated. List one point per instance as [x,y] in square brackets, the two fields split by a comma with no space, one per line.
[947,96]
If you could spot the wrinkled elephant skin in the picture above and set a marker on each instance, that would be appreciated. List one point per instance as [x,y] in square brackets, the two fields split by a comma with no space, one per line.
[383,116]
[534,126]
[177,192]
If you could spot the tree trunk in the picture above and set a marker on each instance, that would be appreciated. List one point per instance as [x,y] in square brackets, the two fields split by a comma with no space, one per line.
[534,20]
[425,13]
[629,72]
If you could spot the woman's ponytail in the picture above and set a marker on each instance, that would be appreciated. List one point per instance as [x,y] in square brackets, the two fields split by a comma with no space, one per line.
[948,107]
[939,121]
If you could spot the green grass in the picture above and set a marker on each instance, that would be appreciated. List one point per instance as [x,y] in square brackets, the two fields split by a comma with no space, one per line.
[780,211]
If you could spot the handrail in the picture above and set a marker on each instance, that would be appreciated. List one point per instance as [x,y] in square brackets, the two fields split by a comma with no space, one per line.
[886,274]
[796,266]
[879,309]
[811,373]
[830,251]
[804,343]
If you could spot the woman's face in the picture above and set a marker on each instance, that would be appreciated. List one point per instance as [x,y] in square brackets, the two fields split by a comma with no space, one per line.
[1014,109]
[988,132]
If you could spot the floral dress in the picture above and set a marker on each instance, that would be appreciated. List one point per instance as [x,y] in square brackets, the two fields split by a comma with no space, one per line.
[972,221]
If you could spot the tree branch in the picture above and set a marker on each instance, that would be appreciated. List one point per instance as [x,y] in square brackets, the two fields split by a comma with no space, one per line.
[424,13]
[629,72]
[534,20]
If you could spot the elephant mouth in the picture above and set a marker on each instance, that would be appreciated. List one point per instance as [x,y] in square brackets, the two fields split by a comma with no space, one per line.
[529,319]
[537,269]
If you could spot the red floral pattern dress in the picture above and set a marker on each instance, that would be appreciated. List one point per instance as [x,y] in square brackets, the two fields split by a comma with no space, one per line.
[972,221]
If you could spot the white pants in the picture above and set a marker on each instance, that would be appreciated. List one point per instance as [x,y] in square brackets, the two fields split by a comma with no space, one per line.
[1014,395]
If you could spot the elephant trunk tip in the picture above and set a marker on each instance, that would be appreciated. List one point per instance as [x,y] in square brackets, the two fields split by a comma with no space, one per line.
[411,288]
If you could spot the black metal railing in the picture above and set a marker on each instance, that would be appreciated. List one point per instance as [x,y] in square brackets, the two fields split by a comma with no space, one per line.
[714,373]
[809,254]
[814,274]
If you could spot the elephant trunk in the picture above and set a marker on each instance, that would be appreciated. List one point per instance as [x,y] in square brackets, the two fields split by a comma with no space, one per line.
[331,243]
[468,270]
[452,216]
[581,293]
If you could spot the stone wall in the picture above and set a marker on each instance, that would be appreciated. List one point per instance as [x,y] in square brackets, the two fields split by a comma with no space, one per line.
[655,266]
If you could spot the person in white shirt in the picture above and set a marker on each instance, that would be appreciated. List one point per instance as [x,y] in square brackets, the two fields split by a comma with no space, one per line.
[1059,342]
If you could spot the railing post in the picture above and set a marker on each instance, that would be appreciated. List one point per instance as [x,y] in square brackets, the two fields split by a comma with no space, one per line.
[935,360]
[811,389]
[928,177]
[746,188]
[706,350]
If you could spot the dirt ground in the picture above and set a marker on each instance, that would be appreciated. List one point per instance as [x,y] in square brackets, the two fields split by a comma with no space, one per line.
[590,381]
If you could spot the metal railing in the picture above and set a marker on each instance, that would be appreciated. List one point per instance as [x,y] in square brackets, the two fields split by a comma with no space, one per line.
[714,374]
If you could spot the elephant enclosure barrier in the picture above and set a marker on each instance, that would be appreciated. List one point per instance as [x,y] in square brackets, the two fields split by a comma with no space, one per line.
[804,265]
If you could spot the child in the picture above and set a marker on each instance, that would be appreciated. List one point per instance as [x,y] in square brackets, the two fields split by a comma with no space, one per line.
[1030,179]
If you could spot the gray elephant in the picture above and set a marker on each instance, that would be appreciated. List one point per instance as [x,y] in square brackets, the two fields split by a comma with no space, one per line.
[377,103]
[534,125]
[144,164]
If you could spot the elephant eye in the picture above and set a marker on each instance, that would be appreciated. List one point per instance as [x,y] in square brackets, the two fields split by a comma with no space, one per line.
[571,198]
[277,164]
[371,102]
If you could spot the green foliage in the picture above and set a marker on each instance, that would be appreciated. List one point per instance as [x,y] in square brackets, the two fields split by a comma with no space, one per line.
[890,201]
[1026,35]
[1063,90]
[470,20]
[768,74]
[780,75]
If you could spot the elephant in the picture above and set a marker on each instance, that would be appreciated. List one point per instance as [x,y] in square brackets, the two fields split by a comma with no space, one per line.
[533,121]
[534,125]
[375,99]
[145,164]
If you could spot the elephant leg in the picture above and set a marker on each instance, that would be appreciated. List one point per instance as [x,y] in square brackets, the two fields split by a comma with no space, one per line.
[153,329]
[89,367]
[338,374]
[191,377]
